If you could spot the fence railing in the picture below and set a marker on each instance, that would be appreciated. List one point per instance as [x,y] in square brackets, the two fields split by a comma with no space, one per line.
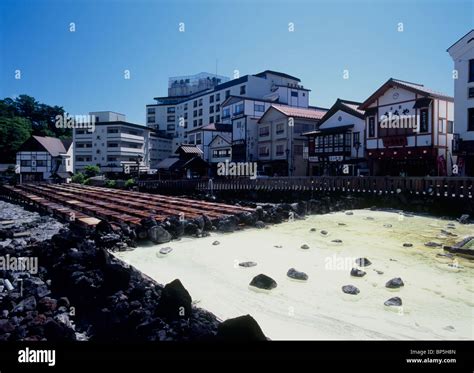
[448,187]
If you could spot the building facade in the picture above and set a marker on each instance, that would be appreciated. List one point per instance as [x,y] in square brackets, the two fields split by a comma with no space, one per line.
[185,110]
[203,136]
[337,146]
[114,144]
[462,53]
[409,130]
[44,158]
[280,141]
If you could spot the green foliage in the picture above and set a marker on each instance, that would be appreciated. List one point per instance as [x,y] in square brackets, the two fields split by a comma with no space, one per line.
[91,171]
[87,181]
[110,184]
[78,178]
[129,183]
[13,133]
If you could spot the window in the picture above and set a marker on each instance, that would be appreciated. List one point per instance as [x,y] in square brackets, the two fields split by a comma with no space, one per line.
[450,126]
[218,107]
[151,119]
[470,119]
[227,93]
[218,118]
[211,119]
[242,90]
[264,131]
[195,103]
[25,163]
[185,115]
[280,128]
[195,113]
[200,102]
[226,113]
[371,126]
[200,112]
[294,93]
[211,109]
[259,107]
[211,99]
[80,132]
[441,125]
[298,149]
[239,124]
[191,139]
[116,130]
[198,139]
[280,150]
[171,118]
[218,97]
[263,151]
[356,138]
[471,70]
[220,153]
[112,145]
[200,122]
[424,120]
[151,110]
[171,110]
[470,93]
[239,109]
[185,106]
[195,123]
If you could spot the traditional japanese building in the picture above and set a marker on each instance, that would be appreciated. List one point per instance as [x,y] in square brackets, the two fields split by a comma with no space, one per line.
[337,146]
[408,130]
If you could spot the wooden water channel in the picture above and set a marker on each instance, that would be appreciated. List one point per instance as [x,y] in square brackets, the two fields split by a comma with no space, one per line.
[439,187]
[87,205]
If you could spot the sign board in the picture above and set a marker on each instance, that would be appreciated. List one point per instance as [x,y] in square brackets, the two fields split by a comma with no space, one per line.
[313,159]
[17,168]
[336,158]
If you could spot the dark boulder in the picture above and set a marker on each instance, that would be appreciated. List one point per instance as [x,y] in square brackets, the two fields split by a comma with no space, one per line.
[407,244]
[116,277]
[260,224]
[248,218]
[363,262]
[394,283]
[296,275]
[357,272]
[262,281]
[395,301]
[240,329]
[149,222]
[350,289]
[227,225]
[247,264]
[158,234]
[175,301]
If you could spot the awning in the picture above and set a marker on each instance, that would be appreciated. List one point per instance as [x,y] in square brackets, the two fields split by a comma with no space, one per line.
[422,103]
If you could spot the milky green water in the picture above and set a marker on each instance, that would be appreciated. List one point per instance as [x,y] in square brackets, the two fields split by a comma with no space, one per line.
[438,299]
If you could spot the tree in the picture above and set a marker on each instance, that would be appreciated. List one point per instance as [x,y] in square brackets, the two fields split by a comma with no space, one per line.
[91,171]
[78,178]
[13,133]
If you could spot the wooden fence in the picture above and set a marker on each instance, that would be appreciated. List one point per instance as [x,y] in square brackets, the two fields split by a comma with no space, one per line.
[446,187]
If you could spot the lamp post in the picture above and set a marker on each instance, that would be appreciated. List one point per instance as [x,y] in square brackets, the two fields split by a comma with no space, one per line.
[288,160]
[357,147]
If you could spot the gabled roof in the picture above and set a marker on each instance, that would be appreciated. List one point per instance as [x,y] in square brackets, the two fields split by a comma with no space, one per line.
[350,107]
[283,75]
[331,130]
[224,136]
[462,37]
[52,145]
[189,149]
[295,112]
[219,127]
[413,87]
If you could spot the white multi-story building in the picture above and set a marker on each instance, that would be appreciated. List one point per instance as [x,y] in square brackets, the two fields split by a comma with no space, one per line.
[409,130]
[179,115]
[462,53]
[44,158]
[115,144]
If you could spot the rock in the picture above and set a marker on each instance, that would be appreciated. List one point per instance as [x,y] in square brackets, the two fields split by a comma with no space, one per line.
[387,225]
[324,233]
[342,224]
[103,227]
[207,222]
[395,301]
[247,264]
[240,329]
[304,247]
[464,219]
[28,304]
[432,244]
[378,272]
[47,304]
[227,225]
[312,230]
[336,241]
[64,302]
[248,218]
[394,283]
[350,289]
[215,243]
[363,262]
[357,272]
[116,277]
[407,244]
[294,274]
[349,213]
[158,234]
[175,302]
[165,250]
[6,326]
[260,224]
[149,222]
[262,281]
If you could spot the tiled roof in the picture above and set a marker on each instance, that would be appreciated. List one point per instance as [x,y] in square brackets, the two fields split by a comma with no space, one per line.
[420,87]
[190,149]
[297,112]
[352,106]
[53,145]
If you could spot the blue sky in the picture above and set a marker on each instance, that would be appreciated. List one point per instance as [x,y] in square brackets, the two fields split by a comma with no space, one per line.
[84,70]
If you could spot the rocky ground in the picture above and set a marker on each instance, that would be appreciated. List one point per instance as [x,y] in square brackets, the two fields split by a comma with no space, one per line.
[80,291]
